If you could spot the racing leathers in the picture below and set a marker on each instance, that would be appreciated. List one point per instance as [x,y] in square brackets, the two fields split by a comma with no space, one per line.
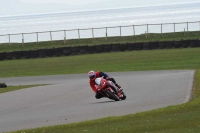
[105,76]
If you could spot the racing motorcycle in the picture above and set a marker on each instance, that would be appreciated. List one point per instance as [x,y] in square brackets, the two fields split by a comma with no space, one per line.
[108,89]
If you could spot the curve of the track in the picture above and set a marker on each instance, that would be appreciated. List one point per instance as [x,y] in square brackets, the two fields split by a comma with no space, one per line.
[69,98]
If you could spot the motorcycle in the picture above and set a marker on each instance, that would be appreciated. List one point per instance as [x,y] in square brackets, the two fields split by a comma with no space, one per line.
[108,89]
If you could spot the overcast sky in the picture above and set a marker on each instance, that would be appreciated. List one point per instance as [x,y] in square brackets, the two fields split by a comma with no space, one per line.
[21,7]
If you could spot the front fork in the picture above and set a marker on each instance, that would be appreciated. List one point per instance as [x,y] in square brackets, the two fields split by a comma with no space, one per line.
[117,90]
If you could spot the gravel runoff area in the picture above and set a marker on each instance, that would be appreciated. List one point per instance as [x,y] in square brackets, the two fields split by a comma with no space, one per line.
[69,98]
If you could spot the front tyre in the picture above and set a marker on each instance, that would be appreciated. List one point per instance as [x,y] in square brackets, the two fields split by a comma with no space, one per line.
[124,95]
[112,95]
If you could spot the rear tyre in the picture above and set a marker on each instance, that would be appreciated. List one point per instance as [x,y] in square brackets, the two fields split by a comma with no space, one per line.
[112,95]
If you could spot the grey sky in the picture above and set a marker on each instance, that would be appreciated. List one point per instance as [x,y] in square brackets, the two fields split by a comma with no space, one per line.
[19,7]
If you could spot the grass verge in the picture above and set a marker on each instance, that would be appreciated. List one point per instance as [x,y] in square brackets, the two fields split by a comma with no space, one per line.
[166,59]
[13,88]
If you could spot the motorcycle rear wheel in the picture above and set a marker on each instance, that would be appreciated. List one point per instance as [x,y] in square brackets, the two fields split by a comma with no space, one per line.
[112,95]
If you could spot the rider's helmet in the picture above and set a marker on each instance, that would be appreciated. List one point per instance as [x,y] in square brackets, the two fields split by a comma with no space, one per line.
[92,74]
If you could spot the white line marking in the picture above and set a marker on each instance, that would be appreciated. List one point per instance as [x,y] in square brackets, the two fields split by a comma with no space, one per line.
[189,93]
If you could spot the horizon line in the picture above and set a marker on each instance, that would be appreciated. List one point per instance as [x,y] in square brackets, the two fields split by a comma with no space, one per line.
[103,9]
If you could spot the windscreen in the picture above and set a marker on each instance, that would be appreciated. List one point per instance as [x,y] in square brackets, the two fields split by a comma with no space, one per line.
[98,81]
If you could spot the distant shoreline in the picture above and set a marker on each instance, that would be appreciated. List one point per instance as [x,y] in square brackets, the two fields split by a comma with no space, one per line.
[75,12]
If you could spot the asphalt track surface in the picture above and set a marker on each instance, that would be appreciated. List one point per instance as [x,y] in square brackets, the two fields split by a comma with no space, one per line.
[69,98]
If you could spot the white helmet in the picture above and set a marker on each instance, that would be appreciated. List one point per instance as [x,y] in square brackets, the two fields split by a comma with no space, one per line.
[92,74]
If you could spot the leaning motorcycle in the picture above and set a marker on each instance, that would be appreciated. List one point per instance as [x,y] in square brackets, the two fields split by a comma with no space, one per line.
[108,89]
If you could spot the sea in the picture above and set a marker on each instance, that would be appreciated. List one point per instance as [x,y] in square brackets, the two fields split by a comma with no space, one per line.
[100,23]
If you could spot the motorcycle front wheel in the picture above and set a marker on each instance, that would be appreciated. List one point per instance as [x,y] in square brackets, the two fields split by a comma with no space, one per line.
[124,96]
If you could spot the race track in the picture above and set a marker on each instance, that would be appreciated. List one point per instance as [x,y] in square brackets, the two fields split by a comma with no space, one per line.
[70,99]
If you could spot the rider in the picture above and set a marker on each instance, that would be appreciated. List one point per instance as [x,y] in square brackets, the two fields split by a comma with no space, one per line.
[93,75]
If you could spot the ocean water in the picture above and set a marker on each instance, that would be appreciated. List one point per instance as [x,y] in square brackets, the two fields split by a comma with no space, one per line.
[99,20]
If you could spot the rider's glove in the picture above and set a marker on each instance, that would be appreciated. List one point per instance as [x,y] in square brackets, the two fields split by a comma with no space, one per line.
[107,78]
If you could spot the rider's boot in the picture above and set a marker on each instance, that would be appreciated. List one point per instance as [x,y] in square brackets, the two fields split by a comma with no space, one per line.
[118,86]
[120,93]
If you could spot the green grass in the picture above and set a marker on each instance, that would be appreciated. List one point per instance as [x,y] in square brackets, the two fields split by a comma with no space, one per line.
[76,42]
[14,88]
[167,59]
[183,118]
